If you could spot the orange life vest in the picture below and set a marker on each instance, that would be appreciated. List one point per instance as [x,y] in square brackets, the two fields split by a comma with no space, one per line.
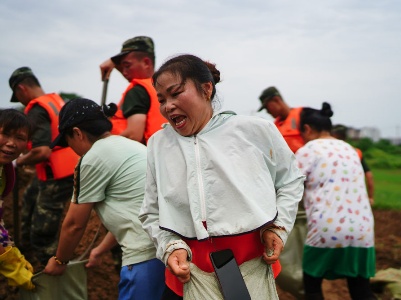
[62,161]
[289,128]
[359,152]
[154,119]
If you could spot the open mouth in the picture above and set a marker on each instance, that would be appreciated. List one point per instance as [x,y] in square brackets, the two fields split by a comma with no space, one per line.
[7,152]
[178,120]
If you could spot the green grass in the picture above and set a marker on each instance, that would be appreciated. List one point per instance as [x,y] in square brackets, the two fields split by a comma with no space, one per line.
[387,189]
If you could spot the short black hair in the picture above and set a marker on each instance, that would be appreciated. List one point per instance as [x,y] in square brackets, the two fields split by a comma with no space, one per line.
[12,120]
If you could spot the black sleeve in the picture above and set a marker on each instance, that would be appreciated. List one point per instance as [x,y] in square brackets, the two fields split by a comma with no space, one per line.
[364,165]
[136,101]
[41,135]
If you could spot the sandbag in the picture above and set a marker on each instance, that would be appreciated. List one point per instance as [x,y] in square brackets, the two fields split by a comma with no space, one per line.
[388,283]
[71,285]
[290,278]
[258,277]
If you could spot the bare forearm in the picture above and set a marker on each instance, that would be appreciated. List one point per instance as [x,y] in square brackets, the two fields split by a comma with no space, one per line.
[95,257]
[106,244]
[73,229]
[69,239]
[35,156]
[370,184]
[135,127]
[132,135]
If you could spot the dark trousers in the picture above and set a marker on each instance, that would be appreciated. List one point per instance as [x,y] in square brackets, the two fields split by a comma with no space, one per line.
[359,288]
[170,295]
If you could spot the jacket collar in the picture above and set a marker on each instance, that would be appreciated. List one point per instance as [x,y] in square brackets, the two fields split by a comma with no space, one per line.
[215,121]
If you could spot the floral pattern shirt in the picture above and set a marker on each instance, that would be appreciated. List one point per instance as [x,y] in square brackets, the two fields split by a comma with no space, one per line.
[335,198]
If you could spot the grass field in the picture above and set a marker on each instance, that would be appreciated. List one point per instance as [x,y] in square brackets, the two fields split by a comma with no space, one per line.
[387,189]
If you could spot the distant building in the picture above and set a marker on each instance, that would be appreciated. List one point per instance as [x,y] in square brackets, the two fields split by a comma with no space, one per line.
[372,133]
[353,133]
[395,141]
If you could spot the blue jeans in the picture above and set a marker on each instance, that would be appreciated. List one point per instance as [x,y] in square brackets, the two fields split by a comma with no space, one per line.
[143,280]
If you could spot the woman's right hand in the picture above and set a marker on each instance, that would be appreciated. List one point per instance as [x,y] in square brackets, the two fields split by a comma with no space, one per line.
[178,264]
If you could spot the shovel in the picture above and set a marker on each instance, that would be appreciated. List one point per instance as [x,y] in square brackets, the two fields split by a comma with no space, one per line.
[104,92]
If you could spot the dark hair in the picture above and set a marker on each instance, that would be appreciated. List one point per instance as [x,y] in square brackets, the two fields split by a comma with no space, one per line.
[12,120]
[318,120]
[30,81]
[339,131]
[191,67]
[141,55]
[95,128]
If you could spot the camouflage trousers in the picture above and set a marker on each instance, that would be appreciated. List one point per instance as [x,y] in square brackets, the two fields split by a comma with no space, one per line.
[42,209]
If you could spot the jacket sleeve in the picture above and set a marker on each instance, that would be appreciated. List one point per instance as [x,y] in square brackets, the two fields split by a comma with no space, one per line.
[289,185]
[149,215]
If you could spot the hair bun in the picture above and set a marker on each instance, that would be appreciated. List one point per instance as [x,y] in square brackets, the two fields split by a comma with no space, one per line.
[110,109]
[326,110]
[214,71]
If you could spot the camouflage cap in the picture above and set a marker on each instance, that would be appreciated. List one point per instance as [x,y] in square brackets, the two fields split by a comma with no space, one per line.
[267,94]
[17,76]
[138,43]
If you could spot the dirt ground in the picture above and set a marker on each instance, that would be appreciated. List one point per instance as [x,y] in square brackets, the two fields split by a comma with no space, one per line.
[103,281]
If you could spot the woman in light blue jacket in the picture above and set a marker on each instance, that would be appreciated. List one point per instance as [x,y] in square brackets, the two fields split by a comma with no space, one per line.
[215,181]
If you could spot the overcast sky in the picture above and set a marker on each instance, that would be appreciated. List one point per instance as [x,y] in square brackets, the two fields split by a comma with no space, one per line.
[345,52]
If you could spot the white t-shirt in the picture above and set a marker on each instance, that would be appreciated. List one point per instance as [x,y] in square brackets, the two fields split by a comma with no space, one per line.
[112,175]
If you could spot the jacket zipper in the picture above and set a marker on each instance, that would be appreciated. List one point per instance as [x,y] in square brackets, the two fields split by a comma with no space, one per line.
[200,181]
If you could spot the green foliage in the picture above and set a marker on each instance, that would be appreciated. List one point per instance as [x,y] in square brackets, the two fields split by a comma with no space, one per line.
[364,144]
[68,96]
[384,159]
[379,159]
[387,147]
[380,155]
[387,189]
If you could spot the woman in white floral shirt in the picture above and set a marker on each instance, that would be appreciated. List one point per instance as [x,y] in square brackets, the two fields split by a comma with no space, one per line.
[340,240]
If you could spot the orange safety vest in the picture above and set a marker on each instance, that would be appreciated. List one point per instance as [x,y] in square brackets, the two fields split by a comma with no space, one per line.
[154,119]
[289,128]
[359,152]
[62,161]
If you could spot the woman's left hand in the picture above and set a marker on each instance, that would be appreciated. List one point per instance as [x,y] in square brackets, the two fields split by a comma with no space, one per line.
[273,246]
[95,259]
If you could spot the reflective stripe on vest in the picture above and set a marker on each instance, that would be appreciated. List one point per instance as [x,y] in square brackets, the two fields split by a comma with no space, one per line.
[62,161]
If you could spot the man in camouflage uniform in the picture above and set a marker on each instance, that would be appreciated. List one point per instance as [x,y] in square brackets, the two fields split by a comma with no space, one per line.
[44,201]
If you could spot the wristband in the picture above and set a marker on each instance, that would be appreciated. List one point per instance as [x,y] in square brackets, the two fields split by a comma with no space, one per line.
[59,262]
[175,245]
